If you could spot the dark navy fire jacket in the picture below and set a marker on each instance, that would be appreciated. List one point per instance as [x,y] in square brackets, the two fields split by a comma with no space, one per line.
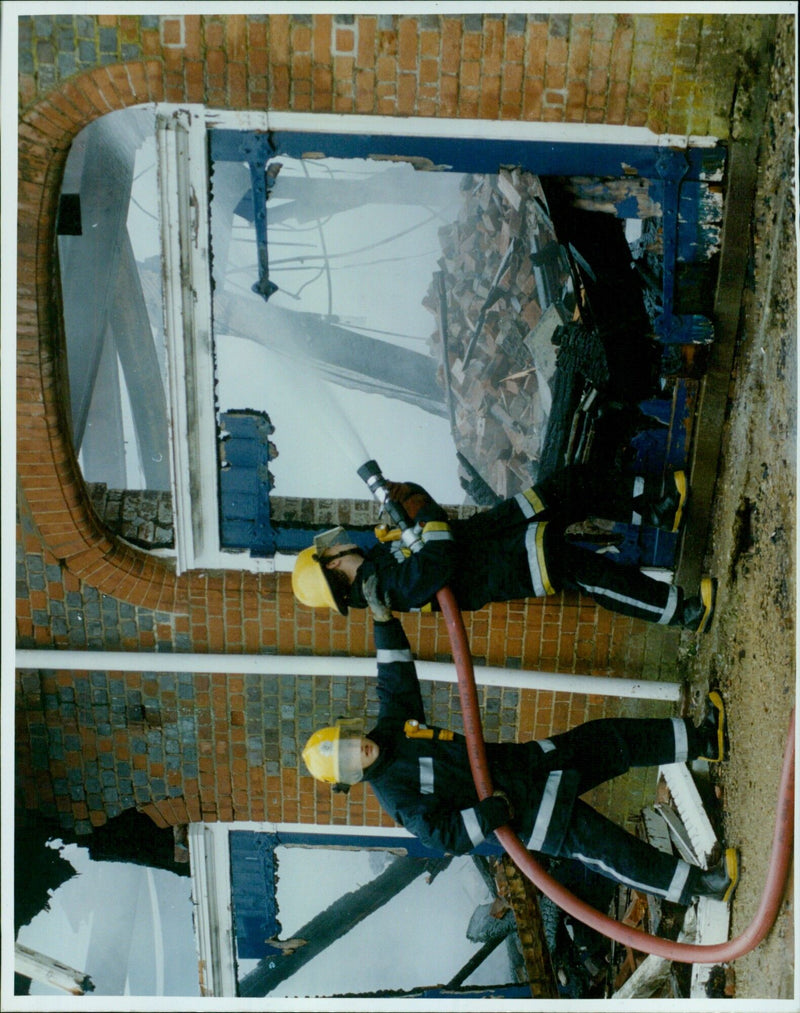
[495,555]
[422,775]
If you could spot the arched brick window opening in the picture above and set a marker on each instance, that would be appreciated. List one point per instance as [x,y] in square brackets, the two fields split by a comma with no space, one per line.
[291,66]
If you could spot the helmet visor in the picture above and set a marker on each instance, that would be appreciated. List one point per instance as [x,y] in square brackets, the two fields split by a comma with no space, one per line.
[322,544]
[327,539]
[347,758]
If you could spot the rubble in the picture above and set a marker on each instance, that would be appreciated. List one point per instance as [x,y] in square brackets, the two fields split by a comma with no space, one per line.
[503,288]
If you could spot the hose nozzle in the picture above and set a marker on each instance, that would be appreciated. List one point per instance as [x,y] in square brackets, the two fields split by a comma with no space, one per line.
[371,473]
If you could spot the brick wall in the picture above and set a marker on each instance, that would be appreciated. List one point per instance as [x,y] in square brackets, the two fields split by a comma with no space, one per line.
[212,746]
[90,744]
[658,70]
[142,517]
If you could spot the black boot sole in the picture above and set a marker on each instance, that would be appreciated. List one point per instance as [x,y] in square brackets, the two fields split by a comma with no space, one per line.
[708,595]
[679,477]
[732,867]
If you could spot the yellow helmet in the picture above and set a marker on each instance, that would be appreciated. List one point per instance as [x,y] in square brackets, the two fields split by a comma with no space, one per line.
[310,580]
[333,754]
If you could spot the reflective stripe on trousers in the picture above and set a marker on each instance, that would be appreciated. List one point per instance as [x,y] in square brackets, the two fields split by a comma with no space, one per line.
[534,545]
[545,812]
[664,614]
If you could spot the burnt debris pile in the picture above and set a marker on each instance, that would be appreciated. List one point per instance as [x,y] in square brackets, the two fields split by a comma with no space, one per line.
[501,296]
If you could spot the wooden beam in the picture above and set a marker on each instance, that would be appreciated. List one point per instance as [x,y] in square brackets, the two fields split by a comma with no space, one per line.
[523,897]
[39,967]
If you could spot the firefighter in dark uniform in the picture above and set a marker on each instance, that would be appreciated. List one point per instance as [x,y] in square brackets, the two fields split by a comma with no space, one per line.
[422,779]
[517,549]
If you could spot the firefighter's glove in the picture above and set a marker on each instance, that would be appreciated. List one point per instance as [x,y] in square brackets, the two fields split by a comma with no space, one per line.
[412,498]
[501,796]
[378,606]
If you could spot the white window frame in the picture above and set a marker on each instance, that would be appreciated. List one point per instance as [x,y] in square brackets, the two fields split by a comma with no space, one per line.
[185,264]
[184,204]
[210,862]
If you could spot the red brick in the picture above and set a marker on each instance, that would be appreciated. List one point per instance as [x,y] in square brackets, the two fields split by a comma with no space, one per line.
[323,24]
[367,34]
[532,99]
[236,37]
[471,46]
[536,49]
[87,86]
[448,96]
[155,79]
[343,67]
[451,45]
[490,98]
[26,89]
[387,43]
[555,76]
[470,73]
[279,39]
[151,42]
[237,85]
[386,69]
[256,35]
[195,80]
[428,71]
[515,49]
[139,82]
[50,121]
[214,31]
[576,101]
[120,89]
[216,92]
[192,35]
[171,31]
[621,54]
[407,44]
[216,61]
[617,101]
[406,94]
[513,76]
[345,40]
[494,34]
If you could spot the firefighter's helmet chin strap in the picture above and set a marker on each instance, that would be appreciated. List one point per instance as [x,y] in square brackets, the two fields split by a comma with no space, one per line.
[323,560]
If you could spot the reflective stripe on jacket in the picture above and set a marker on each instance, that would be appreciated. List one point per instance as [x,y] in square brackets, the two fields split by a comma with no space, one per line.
[425,783]
[495,555]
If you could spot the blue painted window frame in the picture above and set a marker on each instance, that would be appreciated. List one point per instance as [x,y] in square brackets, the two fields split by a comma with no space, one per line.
[677,171]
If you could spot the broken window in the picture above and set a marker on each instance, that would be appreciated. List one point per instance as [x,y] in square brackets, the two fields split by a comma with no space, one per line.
[108,245]
[252,311]
[262,932]
[334,280]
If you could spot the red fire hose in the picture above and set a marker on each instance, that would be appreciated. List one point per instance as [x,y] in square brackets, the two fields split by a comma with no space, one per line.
[568,902]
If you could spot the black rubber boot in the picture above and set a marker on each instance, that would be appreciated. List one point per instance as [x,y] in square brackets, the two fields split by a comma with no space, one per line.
[720,882]
[667,512]
[714,730]
[697,612]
